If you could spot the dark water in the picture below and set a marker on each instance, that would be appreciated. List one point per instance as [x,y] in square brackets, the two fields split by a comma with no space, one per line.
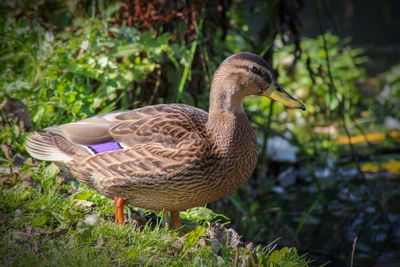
[345,211]
[323,212]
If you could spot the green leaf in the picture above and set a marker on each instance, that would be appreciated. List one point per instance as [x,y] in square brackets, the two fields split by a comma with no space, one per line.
[192,238]
[39,221]
[51,171]
[83,195]
[199,214]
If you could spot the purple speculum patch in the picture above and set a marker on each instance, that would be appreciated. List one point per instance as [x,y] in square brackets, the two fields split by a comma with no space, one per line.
[105,147]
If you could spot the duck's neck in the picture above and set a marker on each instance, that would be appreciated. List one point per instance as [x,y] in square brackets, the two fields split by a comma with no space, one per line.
[224,101]
[227,122]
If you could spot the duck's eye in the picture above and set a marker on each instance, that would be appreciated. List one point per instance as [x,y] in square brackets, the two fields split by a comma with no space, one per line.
[255,70]
[268,79]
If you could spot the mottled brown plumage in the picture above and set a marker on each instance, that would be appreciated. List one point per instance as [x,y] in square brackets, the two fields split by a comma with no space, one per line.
[172,156]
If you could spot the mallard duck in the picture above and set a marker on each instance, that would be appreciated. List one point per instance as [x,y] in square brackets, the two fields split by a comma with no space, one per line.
[169,157]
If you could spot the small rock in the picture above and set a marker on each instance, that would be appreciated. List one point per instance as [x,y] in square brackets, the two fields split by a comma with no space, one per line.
[279,149]
[16,111]
[221,235]
[92,219]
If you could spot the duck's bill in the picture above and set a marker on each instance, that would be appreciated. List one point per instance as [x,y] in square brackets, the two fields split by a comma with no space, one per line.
[277,93]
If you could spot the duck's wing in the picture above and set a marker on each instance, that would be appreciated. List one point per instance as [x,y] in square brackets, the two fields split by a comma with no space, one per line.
[155,138]
[165,125]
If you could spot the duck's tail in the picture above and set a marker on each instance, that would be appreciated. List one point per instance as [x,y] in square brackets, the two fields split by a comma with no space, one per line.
[51,147]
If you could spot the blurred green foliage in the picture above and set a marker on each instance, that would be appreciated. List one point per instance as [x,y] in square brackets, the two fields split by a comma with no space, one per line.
[76,73]
[95,66]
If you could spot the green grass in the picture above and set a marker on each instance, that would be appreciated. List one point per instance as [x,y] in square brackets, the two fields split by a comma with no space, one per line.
[48,220]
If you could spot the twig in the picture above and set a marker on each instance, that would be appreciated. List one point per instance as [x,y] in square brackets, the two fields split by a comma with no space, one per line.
[263,155]
[353,251]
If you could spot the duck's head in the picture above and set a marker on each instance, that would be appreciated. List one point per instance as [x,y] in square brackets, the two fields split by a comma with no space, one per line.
[246,74]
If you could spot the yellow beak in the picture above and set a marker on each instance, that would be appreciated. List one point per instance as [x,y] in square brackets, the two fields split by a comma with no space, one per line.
[277,93]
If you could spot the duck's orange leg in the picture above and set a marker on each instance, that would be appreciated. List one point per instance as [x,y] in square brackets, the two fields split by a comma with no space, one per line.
[176,220]
[119,210]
